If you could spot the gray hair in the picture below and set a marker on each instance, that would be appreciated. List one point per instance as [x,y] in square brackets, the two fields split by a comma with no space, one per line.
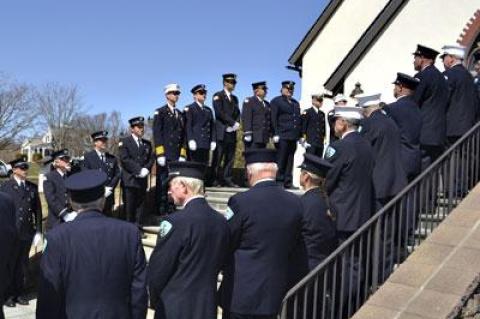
[316,180]
[256,168]
[195,185]
[97,204]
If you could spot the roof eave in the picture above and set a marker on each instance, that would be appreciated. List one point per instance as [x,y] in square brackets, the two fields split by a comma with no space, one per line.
[327,13]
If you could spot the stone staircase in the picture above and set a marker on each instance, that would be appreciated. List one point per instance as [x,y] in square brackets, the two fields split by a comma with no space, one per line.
[217,197]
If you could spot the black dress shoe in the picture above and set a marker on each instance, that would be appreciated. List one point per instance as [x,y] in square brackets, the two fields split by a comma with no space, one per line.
[9,303]
[231,184]
[22,301]
[217,184]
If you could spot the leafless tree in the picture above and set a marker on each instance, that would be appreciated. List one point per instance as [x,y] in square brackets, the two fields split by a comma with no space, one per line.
[84,125]
[17,114]
[59,106]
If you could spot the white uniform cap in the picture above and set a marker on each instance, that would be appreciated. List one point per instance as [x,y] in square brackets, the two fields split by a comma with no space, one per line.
[172,88]
[348,112]
[455,50]
[366,100]
[340,97]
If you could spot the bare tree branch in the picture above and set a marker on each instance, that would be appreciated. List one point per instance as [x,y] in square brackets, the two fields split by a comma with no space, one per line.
[17,112]
[59,106]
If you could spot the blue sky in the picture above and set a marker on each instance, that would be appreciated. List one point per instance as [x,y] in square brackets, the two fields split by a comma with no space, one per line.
[122,53]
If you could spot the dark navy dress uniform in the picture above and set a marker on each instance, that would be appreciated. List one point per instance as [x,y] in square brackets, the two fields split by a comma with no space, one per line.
[200,127]
[287,125]
[9,240]
[431,96]
[313,130]
[462,105]
[109,165]
[134,157]
[318,230]
[56,196]
[406,114]
[349,182]
[169,138]
[265,227]
[93,266]
[476,82]
[184,266]
[28,221]
[389,177]
[257,122]
[227,113]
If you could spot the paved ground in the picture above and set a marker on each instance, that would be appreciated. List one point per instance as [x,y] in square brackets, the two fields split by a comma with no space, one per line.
[28,312]
[21,312]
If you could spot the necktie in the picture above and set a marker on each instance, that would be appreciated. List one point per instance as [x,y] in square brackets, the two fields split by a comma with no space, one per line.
[102,157]
[22,185]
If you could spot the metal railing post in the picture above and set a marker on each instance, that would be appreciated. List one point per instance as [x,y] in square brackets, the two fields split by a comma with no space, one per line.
[376,255]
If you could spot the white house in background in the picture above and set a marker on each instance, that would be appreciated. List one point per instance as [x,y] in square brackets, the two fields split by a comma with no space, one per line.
[369,41]
[38,145]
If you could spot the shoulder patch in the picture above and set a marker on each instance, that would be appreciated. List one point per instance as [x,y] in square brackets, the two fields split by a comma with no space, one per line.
[216,97]
[229,213]
[44,245]
[329,152]
[165,228]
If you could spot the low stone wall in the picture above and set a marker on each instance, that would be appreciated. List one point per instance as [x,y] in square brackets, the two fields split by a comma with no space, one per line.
[436,281]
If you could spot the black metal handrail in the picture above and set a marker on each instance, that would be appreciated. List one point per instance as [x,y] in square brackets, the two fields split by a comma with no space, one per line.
[342,283]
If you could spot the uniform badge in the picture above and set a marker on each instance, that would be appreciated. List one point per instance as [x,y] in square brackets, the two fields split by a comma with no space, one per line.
[120,144]
[445,76]
[246,101]
[229,213]
[329,152]
[185,109]
[156,112]
[361,127]
[216,97]
[165,227]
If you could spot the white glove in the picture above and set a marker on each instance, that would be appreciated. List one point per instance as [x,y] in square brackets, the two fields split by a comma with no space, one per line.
[181,159]
[306,145]
[247,138]
[301,141]
[230,129]
[192,145]
[161,160]
[108,191]
[143,173]
[213,146]
[37,239]
[68,217]
[236,126]
[276,139]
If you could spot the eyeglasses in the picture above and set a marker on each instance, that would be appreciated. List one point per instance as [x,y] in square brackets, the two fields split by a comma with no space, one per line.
[176,93]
